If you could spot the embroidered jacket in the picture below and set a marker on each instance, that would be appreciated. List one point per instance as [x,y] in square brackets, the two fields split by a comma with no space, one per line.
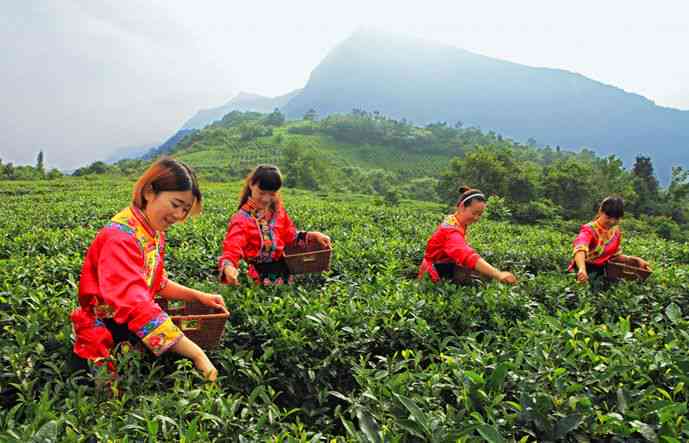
[447,245]
[599,244]
[123,270]
[257,236]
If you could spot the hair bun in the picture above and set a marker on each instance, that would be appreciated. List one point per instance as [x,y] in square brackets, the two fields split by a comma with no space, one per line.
[464,188]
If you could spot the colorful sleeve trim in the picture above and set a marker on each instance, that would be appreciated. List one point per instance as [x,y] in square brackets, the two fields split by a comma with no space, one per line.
[160,334]
[578,248]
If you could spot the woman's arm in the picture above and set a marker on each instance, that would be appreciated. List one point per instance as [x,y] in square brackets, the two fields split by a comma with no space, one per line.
[192,351]
[291,234]
[487,269]
[581,247]
[580,261]
[232,250]
[175,291]
[456,247]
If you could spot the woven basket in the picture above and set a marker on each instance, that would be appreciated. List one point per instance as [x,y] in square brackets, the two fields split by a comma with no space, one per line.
[466,276]
[623,267]
[307,259]
[202,324]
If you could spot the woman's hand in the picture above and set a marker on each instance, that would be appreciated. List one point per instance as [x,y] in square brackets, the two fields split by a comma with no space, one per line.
[488,270]
[204,365]
[191,350]
[212,300]
[320,238]
[231,275]
[582,276]
[507,277]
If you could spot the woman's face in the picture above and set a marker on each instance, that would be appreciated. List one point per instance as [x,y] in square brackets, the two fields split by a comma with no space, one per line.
[166,208]
[262,198]
[472,213]
[606,221]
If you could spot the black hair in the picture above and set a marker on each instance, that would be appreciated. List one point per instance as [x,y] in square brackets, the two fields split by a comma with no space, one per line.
[268,178]
[612,206]
[473,194]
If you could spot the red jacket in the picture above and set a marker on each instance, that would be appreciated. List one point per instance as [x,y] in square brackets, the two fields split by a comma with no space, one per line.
[447,245]
[599,244]
[123,270]
[257,237]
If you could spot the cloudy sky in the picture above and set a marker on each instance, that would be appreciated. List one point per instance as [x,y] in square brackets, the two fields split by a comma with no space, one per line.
[83,80]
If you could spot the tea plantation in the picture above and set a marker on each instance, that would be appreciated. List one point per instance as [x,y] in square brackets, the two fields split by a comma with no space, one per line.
[365,353]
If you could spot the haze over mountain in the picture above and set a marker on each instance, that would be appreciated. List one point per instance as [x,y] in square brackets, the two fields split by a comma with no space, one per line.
[428,82]
[129,152]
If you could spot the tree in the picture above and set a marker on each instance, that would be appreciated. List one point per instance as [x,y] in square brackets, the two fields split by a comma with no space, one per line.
[26,172]
[275,118]
[611,178]
[39,163]
[251,130]
[677,195]
[568,184]
[679,184]
[523,181]
[8,171]
[53,174]
[301,168]
[482,169]
[645,186]
[311,115]
[97,167]
[449,182]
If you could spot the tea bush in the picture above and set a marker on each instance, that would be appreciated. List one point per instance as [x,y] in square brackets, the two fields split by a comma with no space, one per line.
[362,353]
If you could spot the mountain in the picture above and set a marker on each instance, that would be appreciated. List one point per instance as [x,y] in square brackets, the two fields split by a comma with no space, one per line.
[128,152]
[241,102]
[427,82]
[168,145]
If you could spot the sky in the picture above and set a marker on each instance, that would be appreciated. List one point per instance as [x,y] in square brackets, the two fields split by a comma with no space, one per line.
[86,80]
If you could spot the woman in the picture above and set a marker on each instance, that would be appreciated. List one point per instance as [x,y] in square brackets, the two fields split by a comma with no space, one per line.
[599,241]
[124,270]
[260,230]
[447,247]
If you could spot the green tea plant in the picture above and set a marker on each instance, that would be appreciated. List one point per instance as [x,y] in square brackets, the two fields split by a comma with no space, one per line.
[363,353]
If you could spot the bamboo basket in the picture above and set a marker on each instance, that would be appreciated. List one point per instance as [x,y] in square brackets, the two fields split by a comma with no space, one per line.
[623,267]
[307,259]
[202,324]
